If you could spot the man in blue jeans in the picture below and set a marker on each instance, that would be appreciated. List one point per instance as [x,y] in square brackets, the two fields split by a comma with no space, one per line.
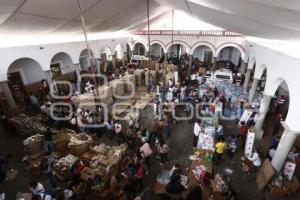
[48,140]
[50,161]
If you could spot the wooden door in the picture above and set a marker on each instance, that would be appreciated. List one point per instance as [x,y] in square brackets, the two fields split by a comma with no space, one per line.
[16,86]
[56,70]
[207,57]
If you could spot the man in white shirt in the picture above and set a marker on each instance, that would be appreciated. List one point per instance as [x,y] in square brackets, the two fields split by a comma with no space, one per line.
[255,160]
[197,130]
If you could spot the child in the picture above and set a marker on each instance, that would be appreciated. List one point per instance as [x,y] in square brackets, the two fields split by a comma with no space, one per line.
[232,145]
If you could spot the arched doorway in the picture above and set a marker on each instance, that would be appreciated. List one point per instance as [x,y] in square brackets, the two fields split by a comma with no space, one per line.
[24,77]
[85,62]
[229,57]
[61,65]
[139,49]
[276,116]
[105,53]
[203,55]
[157,51]
[175,51]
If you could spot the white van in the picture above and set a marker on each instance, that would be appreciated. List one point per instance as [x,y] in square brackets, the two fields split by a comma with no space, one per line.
[223,75]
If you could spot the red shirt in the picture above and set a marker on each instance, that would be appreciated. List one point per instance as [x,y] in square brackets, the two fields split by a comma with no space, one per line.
[243,130]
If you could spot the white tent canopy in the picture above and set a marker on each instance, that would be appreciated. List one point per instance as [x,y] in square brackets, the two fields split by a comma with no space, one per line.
[43,21]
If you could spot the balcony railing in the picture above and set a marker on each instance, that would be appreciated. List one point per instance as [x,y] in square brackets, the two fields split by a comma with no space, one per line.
[189,32]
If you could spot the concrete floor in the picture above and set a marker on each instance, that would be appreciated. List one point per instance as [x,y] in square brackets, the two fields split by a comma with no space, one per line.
[180,144]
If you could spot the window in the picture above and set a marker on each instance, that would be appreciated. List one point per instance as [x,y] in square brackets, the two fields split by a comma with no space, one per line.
[223,77]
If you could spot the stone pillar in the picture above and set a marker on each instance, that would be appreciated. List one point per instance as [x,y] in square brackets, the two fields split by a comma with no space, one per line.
[253,90]
[243,67]
[10,99]
[48,77]
[247,79]
[260,119]
[98,66]
[287,141]
[160,50]
[77,70]
[114,60]
[214,63]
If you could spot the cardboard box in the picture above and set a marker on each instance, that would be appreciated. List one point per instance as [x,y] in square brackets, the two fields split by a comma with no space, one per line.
[264,175]
[87,174]
[107,100]
[141,104]
[129,83]
[104,91]
[139,74]
[293,186]
[118,87]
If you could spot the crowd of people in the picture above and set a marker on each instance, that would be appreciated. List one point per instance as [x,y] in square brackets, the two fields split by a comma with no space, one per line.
[144,141]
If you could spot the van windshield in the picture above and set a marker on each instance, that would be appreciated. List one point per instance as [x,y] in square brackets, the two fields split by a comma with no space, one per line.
[223,77]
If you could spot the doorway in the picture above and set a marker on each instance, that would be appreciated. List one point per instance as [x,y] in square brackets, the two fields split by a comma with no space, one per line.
[16,86]
[207,57]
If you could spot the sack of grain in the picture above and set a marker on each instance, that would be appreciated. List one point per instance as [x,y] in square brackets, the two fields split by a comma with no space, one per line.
[62,139]
[33,146]
[107,101]
[129,82]
[79,143]
[118,87]
[104,91]
[139,77]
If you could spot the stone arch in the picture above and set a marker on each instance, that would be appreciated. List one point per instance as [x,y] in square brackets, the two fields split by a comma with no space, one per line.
[203,43]
[140,49]
[26,74]
[65,62]
[231,44]
[141,42]
[157,49]
[168,45]
[159,43]
[274,85]
[106,50]
[84,53]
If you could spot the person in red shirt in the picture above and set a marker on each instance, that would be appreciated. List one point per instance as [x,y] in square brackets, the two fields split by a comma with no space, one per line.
[243,132]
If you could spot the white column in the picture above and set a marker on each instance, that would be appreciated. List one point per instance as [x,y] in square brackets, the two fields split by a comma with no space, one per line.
[286,142]
[243,67]
[253,90]
[114,60]
[10,99]
[160,50]
[247,79]
[48,77]
[214,63]
[260,119]
[98,66]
